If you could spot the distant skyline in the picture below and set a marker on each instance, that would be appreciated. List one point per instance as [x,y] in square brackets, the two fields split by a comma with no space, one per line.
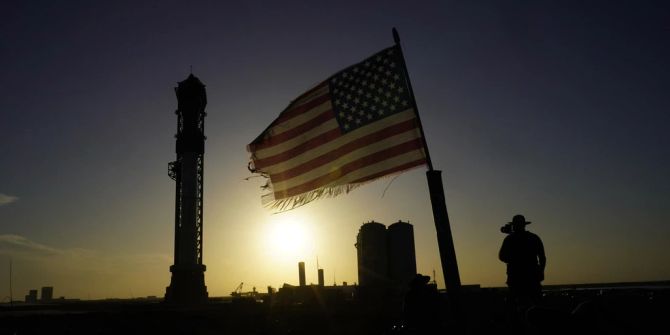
[557,110]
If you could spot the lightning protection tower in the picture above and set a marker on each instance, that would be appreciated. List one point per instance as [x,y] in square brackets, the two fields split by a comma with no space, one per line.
[187,285]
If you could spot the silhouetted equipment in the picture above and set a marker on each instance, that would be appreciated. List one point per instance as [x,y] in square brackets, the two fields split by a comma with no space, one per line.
[47,294]
[237,290]
[386,257]
[187,284]
[251,296]
[321,280]
[301,273]
[506,229]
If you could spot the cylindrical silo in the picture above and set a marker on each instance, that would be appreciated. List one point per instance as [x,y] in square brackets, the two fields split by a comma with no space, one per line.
[372,255]
[401,256]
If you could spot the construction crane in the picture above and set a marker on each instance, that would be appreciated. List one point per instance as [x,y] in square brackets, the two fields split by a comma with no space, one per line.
[238,290]
[245,297]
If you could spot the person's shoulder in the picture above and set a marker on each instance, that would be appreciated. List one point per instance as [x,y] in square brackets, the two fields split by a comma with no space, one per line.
[533,236]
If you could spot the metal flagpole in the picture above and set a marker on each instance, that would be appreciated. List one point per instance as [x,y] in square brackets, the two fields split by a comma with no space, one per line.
[440,216]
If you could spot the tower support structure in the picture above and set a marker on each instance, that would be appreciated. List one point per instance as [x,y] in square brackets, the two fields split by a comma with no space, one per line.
[187,284]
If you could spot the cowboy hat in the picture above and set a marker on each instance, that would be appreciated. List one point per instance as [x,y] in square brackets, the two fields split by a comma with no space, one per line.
[519,219]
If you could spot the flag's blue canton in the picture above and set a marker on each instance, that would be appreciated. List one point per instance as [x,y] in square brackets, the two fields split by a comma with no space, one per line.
[370,90]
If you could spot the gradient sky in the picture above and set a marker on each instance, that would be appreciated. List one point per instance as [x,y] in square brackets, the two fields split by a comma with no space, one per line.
[557,110]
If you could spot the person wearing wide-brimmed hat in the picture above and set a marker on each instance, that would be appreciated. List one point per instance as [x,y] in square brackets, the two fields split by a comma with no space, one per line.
[523,252]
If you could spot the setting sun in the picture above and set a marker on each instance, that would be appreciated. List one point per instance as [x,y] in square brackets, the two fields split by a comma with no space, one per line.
[289,237]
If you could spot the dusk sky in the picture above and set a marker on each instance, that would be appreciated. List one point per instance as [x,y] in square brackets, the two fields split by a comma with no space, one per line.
[558,110]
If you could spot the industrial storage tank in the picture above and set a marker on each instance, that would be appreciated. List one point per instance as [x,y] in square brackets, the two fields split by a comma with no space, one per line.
[371,247]
[401,254]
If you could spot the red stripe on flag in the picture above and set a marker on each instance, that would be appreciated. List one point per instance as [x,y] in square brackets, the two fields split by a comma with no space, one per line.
[329,136]
[395,169]
[350,167]
[345,149]
[292,112]
[299,149]
[294,132]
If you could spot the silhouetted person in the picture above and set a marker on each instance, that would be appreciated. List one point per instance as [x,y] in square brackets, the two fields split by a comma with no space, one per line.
[524,254]
[421,305]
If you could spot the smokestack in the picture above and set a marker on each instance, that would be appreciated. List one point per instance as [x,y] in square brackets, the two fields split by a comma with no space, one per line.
[321,277]
[301,273]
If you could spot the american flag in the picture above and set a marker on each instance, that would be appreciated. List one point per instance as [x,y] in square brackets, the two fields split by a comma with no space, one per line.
[354,127]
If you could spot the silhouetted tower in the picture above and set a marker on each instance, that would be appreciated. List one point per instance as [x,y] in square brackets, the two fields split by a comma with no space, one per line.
[31,297]
[371,248]
[47,293]
[301,273]
[187,284]
[321,279]
[401,256]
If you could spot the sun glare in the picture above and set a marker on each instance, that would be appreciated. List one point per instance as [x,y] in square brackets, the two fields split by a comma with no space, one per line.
[288,237]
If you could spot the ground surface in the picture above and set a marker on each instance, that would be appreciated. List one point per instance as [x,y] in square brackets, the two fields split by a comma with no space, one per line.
[621,311]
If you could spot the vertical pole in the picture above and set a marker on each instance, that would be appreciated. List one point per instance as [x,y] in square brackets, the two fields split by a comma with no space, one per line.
[445,240]
[11,292]
[396,39]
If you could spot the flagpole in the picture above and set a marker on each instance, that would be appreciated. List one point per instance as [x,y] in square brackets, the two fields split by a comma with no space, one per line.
[396,39]
[445,240]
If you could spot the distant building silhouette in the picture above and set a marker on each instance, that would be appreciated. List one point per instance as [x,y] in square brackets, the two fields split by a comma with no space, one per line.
[301,273]
[187,284]
[311,294]
[31,297]
[321,279]
[386,257]
[47,294]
